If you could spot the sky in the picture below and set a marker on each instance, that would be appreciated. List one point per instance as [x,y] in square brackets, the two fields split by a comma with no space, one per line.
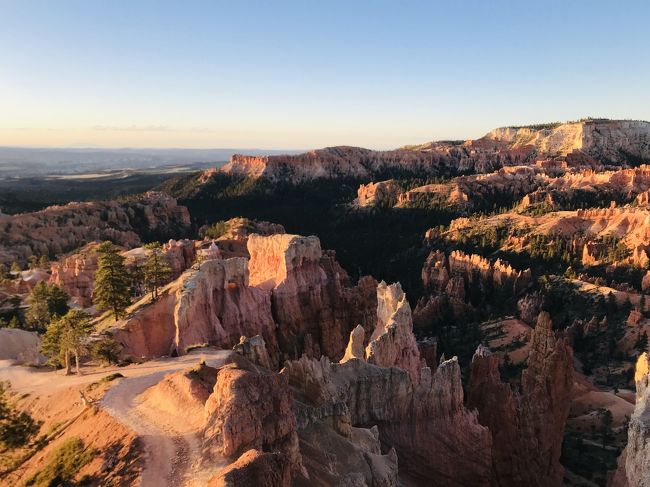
[305,74]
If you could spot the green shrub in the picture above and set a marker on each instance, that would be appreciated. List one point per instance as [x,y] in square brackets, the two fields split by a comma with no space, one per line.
[64,464]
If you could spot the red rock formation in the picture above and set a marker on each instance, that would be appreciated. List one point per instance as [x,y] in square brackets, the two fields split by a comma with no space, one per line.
[527,427]
[213,304]
[250,408]
[416,412]
[253,469]
[634,465]
[232,243]
[577,144]
[311,294]
[59,229]
[254,349]
[381,194]
[355,347]
[75,274]
[180,255]
[438,270]
[417,420]
[469,192]
[392,343]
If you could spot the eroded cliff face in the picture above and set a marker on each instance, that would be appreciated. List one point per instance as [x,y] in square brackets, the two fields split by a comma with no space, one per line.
[297,298]
[59,229]
[392,343]
[606,140]
[416,420]
[314,304]
[75,274]
[637,453]
[383,194]
[212,304]
[526,426]
[439,269]
[250,408]
[461,279]
[413,411]
[576,144]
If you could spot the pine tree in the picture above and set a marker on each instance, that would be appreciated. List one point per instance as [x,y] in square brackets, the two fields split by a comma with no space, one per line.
[112,281]
[17,428]
[642,343]
[45,303]
[65,337]
[156,269]
[44,262]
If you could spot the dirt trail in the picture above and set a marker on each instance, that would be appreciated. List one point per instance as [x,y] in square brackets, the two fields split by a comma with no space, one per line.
[170,453]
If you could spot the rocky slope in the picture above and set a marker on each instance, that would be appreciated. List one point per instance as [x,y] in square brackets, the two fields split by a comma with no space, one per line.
[60,229]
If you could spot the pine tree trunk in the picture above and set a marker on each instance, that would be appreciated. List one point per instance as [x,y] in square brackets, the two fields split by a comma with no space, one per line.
[76,361]
[68,370]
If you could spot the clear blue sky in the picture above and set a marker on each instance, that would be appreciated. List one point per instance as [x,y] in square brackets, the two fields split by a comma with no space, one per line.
[303,74]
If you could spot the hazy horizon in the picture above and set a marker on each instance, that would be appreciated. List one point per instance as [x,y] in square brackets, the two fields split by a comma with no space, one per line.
[295,75]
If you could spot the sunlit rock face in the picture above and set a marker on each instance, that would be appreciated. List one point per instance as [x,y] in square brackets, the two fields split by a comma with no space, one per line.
[526,426]
[209,304]
[313,301]
[636,456]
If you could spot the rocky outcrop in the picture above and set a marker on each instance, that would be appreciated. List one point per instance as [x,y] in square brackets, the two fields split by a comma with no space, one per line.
[255,468]
[298,299]
[637,452]
[458,281]
[314,304]
[250,408]
[380,194]
[75,274]
[392,343]
[417,420]
[211,304]
[355,347]
[59,229]
[254,349]
[339,162]
[526,426]
[478,191]
[234,233]
[180,255]
[439,270]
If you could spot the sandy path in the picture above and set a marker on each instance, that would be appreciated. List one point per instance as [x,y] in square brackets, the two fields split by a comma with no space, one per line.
[169,453]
